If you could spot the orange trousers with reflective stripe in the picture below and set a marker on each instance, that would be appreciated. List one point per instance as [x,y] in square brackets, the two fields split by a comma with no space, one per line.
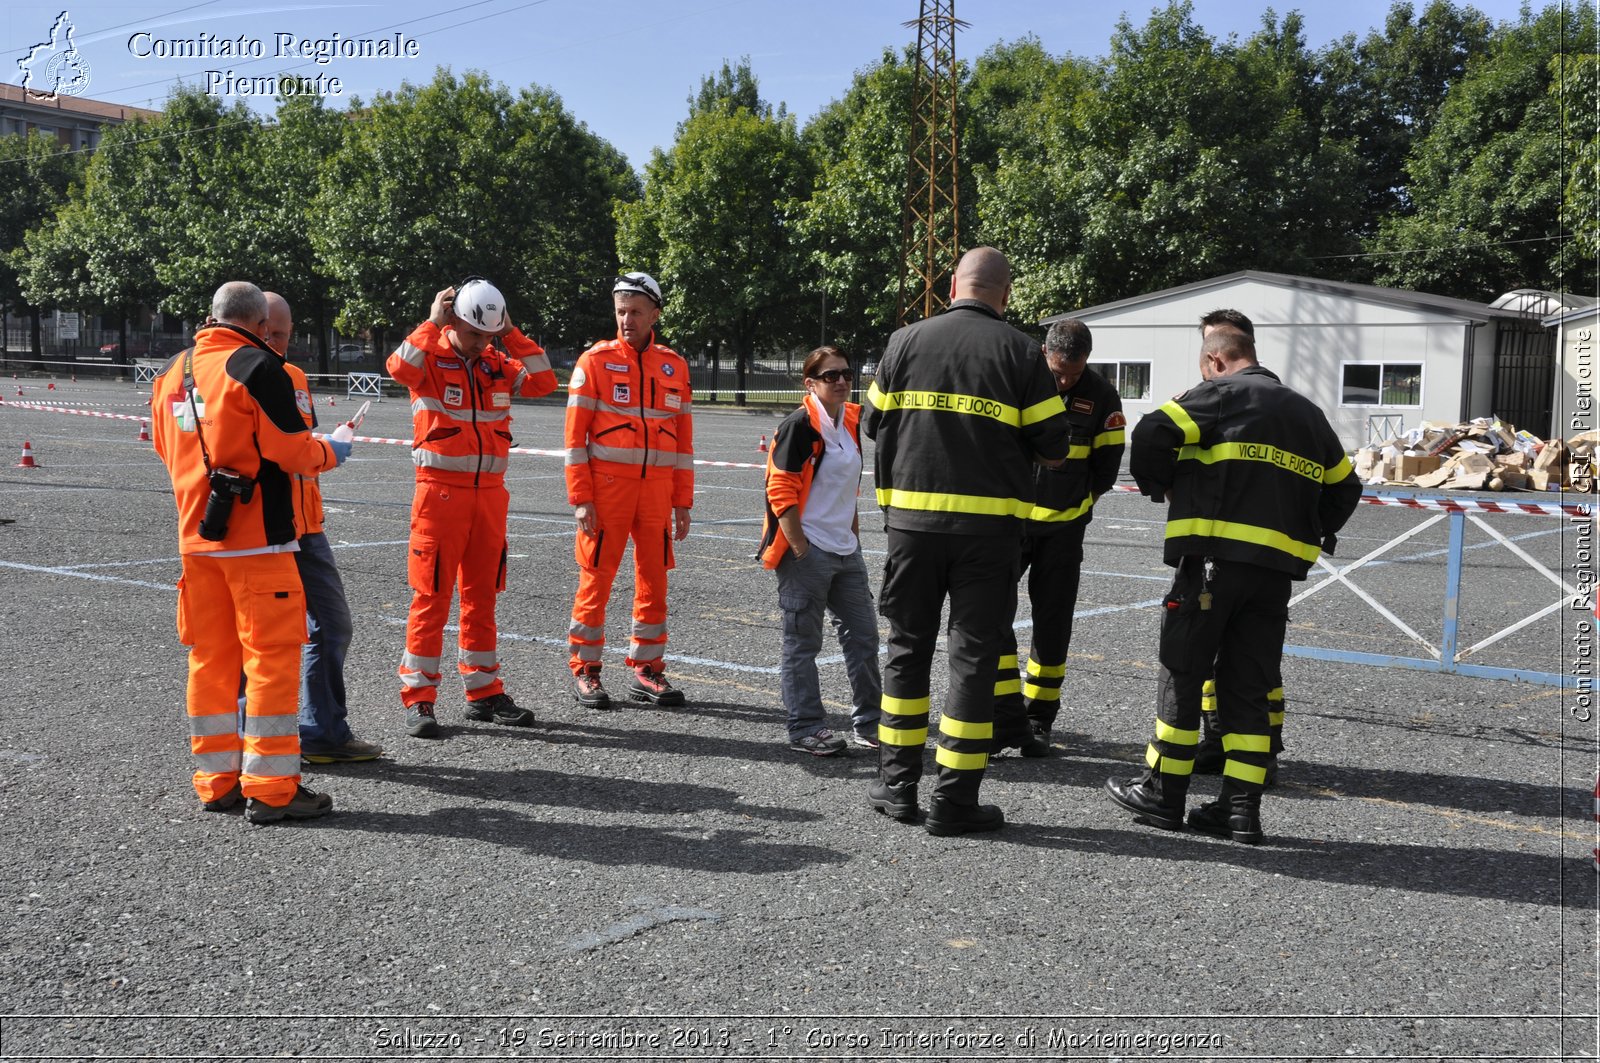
[625,508]
[243,615]
[458,540]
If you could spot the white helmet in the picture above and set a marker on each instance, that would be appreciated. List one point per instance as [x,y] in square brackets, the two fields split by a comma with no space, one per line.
[480,304]
[640,283]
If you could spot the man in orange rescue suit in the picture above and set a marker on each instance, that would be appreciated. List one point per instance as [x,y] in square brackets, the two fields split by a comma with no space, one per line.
[461,388]
[630,473]
[227,427]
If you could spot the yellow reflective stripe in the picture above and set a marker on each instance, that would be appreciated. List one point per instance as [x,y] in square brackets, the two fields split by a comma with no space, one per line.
[1208,703]
[1246,743]
[1114,438]
[939,502]
[1275,719]
[1181,418]
[1165,732]
[1209,687]
[1077,451]
[891,736]
[1043,411]
[1034,693]
[904,706]
[961,761]
[1338,472]
[1046,671]
[1245,772]
[1007,686]
[949,402]
[1057,516]
[1244,533]
[1166,765]
[966,728]
[1008,661]
[1275,694]
[1287,460]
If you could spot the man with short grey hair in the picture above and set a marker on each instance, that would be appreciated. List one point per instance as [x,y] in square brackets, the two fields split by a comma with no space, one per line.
[226,425]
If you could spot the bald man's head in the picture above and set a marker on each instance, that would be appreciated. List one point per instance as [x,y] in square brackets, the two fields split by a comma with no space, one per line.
[280,323]
[983,273]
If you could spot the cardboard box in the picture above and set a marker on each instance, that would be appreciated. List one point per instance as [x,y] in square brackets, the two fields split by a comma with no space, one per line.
[1410,466]
[1552,457]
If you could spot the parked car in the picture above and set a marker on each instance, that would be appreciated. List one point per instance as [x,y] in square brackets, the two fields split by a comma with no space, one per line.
[347,353]
[146,348]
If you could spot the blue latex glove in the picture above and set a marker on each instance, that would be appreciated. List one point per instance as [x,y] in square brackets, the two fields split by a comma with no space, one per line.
[341,449]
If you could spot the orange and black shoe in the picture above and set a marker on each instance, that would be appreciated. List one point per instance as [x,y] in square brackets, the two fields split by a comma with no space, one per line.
[587,691]
[650,684]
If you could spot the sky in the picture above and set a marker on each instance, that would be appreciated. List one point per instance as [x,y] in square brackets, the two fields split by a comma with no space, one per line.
[626,70]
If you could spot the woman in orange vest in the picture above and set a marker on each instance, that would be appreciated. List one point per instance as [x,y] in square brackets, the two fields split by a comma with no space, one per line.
[812,537]
[461,388]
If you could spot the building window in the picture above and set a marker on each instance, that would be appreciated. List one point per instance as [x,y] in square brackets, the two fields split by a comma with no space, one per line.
[1131,379]
[1381,384]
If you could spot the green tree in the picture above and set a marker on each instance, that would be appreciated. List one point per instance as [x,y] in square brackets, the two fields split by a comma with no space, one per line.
[850,225]
[457,177]
[1487,181]
[717,227]
[1576,81]
[37,175]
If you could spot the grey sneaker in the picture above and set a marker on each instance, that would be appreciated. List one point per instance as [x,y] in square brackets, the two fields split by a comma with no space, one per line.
[349,753]
[865,739]
[420,722]
[822,744]
[305,804]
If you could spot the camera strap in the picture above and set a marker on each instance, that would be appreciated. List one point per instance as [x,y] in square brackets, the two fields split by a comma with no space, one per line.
[188,392]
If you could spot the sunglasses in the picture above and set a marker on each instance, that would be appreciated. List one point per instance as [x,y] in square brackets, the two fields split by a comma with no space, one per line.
[833,376]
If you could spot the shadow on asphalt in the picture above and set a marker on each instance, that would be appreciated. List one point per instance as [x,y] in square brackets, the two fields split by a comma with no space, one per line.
[1522,877]
[689,848]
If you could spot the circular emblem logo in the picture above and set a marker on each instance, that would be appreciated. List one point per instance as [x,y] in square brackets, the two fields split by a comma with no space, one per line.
[67,73]
[666,369]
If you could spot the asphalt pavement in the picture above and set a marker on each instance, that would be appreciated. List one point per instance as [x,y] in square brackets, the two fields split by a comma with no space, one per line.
[650,883]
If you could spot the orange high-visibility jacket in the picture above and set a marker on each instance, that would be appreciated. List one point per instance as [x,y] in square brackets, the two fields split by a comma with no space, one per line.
[628,417]
[246,409]
[792,463]
[306,490]
[460,414]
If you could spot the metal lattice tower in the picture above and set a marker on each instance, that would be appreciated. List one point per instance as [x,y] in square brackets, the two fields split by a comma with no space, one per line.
[930,224]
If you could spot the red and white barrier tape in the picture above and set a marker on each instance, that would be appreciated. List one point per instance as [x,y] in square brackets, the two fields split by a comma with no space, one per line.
[1447,505]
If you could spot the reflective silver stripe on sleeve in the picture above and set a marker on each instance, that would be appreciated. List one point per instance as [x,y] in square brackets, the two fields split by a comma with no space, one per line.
[413,356]
[685,461]
[648,631]
[222,723]
[646,651]
[539,363]
[584,631]
[577,456]
[521,376]
[275,726]
[218,763]
[583,402]
[279,765]
[478,658]
[427,459]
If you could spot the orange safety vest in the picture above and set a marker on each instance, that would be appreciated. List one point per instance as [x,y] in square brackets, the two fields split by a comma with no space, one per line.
[792,463]
[244,404]
[306,491]
[628,416]
[461,413]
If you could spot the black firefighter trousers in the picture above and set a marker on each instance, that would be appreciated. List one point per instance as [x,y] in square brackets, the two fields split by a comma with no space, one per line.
[1235,618]
[978,573]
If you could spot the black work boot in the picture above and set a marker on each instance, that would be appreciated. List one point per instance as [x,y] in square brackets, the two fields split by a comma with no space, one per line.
[897,801]
[946,817]
[1152,800]
[1234,814]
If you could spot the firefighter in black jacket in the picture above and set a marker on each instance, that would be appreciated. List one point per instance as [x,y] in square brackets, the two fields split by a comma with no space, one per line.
[1258,484]
[1052,550]
[961,407]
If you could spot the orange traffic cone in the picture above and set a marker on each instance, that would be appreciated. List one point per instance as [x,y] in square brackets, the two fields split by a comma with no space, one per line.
[331,402]
[762,446]
[51,386]
[74,378]
[27,461]
[144,431]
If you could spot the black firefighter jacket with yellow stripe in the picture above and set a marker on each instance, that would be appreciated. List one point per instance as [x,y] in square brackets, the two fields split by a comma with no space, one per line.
[1065,496]
[1252,470]
[961,404]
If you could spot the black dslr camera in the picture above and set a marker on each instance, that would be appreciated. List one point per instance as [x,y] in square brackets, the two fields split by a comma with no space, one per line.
[226,485]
